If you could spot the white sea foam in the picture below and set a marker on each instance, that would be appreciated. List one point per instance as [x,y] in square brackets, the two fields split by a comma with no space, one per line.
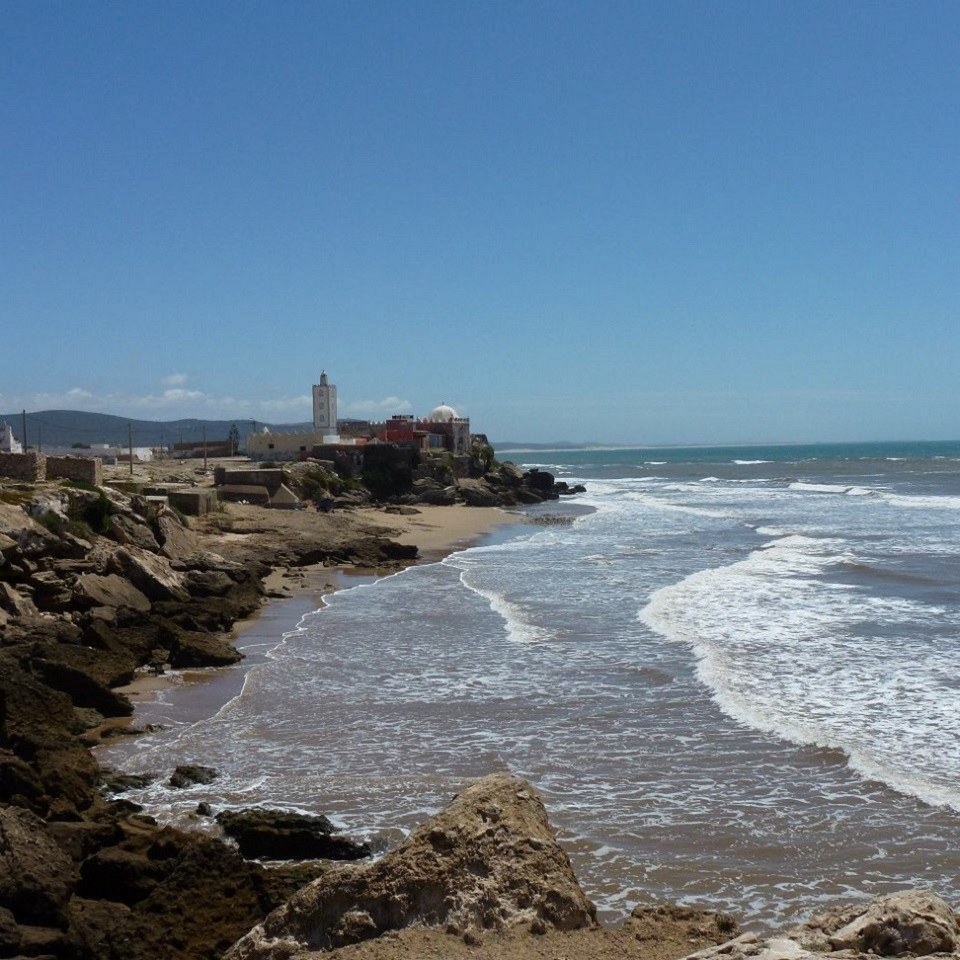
[818,487]
[916,502]
[781,651]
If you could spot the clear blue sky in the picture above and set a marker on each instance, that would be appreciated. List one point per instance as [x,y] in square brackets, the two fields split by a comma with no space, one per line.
[667,222]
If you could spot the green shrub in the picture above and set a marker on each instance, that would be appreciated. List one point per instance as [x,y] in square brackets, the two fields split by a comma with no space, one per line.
[52,522]
[97,514]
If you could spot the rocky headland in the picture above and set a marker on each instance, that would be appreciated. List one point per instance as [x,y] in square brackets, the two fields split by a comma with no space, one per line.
[99,586]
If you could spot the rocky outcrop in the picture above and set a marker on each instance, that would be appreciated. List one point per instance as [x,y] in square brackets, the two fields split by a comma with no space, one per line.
[910,923]
[507,485]
[97,586]
[490,861]
[917,922]
[36,876]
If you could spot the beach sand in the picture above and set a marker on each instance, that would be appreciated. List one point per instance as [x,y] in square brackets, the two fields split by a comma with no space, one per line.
[294,592]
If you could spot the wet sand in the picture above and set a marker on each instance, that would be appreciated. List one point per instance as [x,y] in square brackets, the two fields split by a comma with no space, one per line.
[293,593]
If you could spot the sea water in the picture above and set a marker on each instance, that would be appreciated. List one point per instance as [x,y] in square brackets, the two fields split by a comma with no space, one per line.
[732,673]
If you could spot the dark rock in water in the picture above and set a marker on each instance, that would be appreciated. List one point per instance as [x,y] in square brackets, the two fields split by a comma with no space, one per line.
[204,810]
[114,782]
[278,835]
[188,775]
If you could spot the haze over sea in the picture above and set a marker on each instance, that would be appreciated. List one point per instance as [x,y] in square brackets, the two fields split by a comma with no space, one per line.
[733,676]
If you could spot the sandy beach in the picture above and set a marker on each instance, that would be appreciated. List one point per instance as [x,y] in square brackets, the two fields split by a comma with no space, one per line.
[294,591]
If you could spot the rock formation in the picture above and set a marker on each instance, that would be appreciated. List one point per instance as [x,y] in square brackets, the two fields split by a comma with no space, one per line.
[490,861]
[95,584]
[910,923]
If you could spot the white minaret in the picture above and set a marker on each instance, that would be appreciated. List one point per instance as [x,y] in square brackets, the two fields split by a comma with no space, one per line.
[325,406]
[8,442]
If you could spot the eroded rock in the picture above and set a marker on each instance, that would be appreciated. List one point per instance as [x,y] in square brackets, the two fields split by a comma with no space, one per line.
[914,921]
[489,861]
[910,923]
[36,876]
[151,574]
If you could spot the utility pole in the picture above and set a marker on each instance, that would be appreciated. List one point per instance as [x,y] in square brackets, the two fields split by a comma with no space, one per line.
[204,446]
[130,445]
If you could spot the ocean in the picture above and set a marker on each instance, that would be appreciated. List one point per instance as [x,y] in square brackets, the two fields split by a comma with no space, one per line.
[733,673]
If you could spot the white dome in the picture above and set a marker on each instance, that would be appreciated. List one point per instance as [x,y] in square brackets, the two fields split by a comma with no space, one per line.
[442,414]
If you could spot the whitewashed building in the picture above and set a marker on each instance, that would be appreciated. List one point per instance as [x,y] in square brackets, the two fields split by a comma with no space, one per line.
[8,442]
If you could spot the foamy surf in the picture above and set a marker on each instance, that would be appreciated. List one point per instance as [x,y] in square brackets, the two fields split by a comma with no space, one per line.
[758,738]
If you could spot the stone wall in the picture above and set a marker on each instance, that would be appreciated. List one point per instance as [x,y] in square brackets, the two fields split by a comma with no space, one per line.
[271,479]
[30,467]
[84,469]
[194,502]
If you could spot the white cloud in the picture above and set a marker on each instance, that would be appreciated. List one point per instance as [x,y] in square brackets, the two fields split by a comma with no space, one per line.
[174,380]
[78,393]
[375,407]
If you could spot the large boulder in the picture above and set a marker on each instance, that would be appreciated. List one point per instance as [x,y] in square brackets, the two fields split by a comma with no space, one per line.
[36,876]
[94,590]
[914,923]
[150,573]
[177,541]
[431,492]
[126,529]
[17,603]
[489,861]
[477,493]
[917,922]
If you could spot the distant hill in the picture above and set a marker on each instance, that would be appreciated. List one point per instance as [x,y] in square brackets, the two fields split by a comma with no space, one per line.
[63,428]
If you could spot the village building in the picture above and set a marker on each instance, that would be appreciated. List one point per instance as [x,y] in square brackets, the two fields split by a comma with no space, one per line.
[443,429]
[446,430]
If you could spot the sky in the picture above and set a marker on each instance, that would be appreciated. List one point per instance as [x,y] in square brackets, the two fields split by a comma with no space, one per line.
[618,222]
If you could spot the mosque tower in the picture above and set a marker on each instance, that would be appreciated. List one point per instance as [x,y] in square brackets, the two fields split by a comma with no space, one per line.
[325,406]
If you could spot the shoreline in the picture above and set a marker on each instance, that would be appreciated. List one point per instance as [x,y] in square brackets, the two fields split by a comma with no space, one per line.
[437,532]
